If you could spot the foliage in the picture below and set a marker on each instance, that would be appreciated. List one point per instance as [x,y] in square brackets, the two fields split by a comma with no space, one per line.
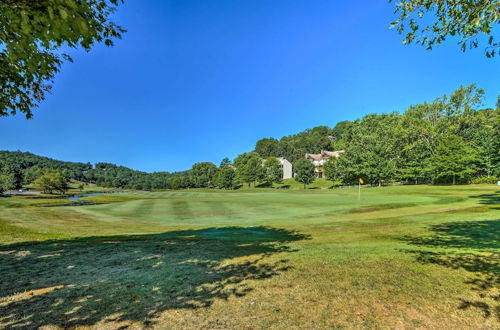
[485,180]
[304,172]
[273,170]
[373,147]
[332,170]
[7,181]
[453,158]
[202,174]
[225,162]
[32,35]
[293,147]
[52,181]
[431,22]
[248,168]
[224,178]
[408,146]
[267,147]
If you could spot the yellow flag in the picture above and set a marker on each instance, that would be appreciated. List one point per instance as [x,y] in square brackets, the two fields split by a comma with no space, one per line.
[361,181]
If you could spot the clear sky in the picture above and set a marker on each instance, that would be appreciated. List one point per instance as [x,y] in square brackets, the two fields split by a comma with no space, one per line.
[201,80]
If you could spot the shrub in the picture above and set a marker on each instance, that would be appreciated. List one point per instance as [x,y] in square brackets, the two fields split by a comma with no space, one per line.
[485,180]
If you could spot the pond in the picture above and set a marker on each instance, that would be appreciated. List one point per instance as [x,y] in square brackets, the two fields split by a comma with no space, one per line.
[79,196]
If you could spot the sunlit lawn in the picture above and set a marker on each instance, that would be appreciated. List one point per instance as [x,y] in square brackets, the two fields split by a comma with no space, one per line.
[401,257]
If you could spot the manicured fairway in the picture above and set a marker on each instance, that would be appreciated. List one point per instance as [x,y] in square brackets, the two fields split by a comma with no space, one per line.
[402,257]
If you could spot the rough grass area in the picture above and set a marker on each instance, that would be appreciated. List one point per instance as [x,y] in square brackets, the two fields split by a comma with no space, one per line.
[402,257]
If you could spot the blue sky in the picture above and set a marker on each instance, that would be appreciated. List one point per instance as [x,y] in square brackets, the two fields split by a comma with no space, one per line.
[201,80]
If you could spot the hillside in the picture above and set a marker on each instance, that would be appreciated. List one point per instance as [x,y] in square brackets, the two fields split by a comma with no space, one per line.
[25,166]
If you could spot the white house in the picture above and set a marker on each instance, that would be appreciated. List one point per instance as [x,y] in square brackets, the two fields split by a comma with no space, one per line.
[287,168]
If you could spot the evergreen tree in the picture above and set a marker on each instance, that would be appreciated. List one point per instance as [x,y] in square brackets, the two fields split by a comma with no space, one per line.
[225,162]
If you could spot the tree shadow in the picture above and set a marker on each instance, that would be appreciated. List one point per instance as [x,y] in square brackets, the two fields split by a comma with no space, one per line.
[479,235]
[490,199]
[134,278]
[470,245]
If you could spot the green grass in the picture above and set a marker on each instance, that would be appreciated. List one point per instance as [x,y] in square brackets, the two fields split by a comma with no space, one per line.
[402,257]
[292,184]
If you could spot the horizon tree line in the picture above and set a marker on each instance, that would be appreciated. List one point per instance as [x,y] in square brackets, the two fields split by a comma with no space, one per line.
[447,141]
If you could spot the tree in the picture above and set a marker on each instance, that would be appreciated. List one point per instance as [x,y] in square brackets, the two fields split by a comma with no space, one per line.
[465,99]
[332,170]
[202,174]
[304,172]
[267,147]
[468,20]
[453,158]
[252,170]
[224,179]
[273,170]
[338,131]
[248,168]
[7,181]
[373,146]
[225,162]
[32,34]
[52,181]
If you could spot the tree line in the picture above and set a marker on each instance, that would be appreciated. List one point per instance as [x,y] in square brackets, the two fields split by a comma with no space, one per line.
[447,141]
[19,169]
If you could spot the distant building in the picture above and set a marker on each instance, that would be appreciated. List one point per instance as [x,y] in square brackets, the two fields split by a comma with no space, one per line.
[320,159]
[287,168]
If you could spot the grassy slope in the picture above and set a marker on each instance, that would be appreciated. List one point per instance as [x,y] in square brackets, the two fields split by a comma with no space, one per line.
[401,257]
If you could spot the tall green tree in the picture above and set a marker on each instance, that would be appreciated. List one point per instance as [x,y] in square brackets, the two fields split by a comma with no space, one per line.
[202,174]
[32,36]
[332,170]
[224,178]
[453,158]
[252,170]
[430,22]
[304,172]
[374,146]
[273,171]
[248,168]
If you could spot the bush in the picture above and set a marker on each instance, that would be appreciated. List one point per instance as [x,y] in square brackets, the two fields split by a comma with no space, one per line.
[485,180]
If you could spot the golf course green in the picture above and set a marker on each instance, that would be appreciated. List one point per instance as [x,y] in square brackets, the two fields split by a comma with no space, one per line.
[400,257]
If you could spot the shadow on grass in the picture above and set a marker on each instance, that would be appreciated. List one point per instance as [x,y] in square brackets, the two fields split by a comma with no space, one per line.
[490,199]
[133,278]
[473,246]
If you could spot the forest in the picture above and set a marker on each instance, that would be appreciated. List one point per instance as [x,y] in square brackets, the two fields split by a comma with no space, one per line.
[451,140]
